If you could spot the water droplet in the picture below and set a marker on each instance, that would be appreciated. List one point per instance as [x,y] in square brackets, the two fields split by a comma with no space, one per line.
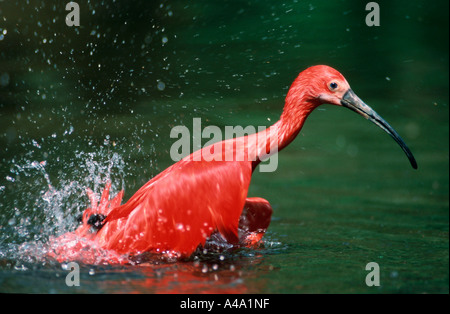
[352,150]
[179,227]
[20,267]
[161,86]
[35,144]
[4,78]
[11,179]
[341,141]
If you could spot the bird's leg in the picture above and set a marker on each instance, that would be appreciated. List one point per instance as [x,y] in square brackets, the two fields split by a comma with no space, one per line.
[254,221]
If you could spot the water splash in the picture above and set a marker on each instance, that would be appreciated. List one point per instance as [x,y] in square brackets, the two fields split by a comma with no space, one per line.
[44,202]
[40,205]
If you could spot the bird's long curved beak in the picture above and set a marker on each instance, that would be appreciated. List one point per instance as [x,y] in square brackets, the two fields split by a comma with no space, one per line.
[353,102]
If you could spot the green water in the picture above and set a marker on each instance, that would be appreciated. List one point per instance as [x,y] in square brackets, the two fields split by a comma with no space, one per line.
[343,195]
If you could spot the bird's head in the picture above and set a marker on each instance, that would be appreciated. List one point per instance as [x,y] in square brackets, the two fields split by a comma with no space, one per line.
[322,84]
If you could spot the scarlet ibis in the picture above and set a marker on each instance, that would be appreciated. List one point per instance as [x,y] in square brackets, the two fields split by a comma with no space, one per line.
[196,199]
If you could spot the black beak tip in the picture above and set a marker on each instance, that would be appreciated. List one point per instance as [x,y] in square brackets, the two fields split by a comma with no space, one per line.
[352,102]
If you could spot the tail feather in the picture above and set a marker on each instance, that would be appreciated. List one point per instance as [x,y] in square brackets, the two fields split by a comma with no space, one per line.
[93,199]
[115,202]
[95,215]
[103,205]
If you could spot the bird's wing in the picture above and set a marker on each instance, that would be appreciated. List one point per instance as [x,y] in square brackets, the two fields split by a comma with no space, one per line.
[180,208]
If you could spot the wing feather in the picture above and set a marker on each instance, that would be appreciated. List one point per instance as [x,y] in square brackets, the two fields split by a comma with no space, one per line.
[180,208]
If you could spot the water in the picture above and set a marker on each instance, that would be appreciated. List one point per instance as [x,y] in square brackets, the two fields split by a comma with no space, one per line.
[81,106]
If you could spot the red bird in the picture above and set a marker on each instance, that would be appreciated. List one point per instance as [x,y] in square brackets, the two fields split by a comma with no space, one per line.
[195,199]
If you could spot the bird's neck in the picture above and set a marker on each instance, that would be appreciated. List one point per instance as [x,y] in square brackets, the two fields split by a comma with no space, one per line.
[299,104]
[282,133]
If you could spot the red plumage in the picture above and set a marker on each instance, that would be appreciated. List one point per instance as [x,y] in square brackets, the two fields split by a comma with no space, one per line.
[179,209]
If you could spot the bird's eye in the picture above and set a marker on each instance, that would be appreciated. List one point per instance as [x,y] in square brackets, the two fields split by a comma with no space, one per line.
[333,85]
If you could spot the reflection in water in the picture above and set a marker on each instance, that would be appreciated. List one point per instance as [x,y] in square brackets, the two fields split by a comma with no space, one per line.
[212,275]
[205,272]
